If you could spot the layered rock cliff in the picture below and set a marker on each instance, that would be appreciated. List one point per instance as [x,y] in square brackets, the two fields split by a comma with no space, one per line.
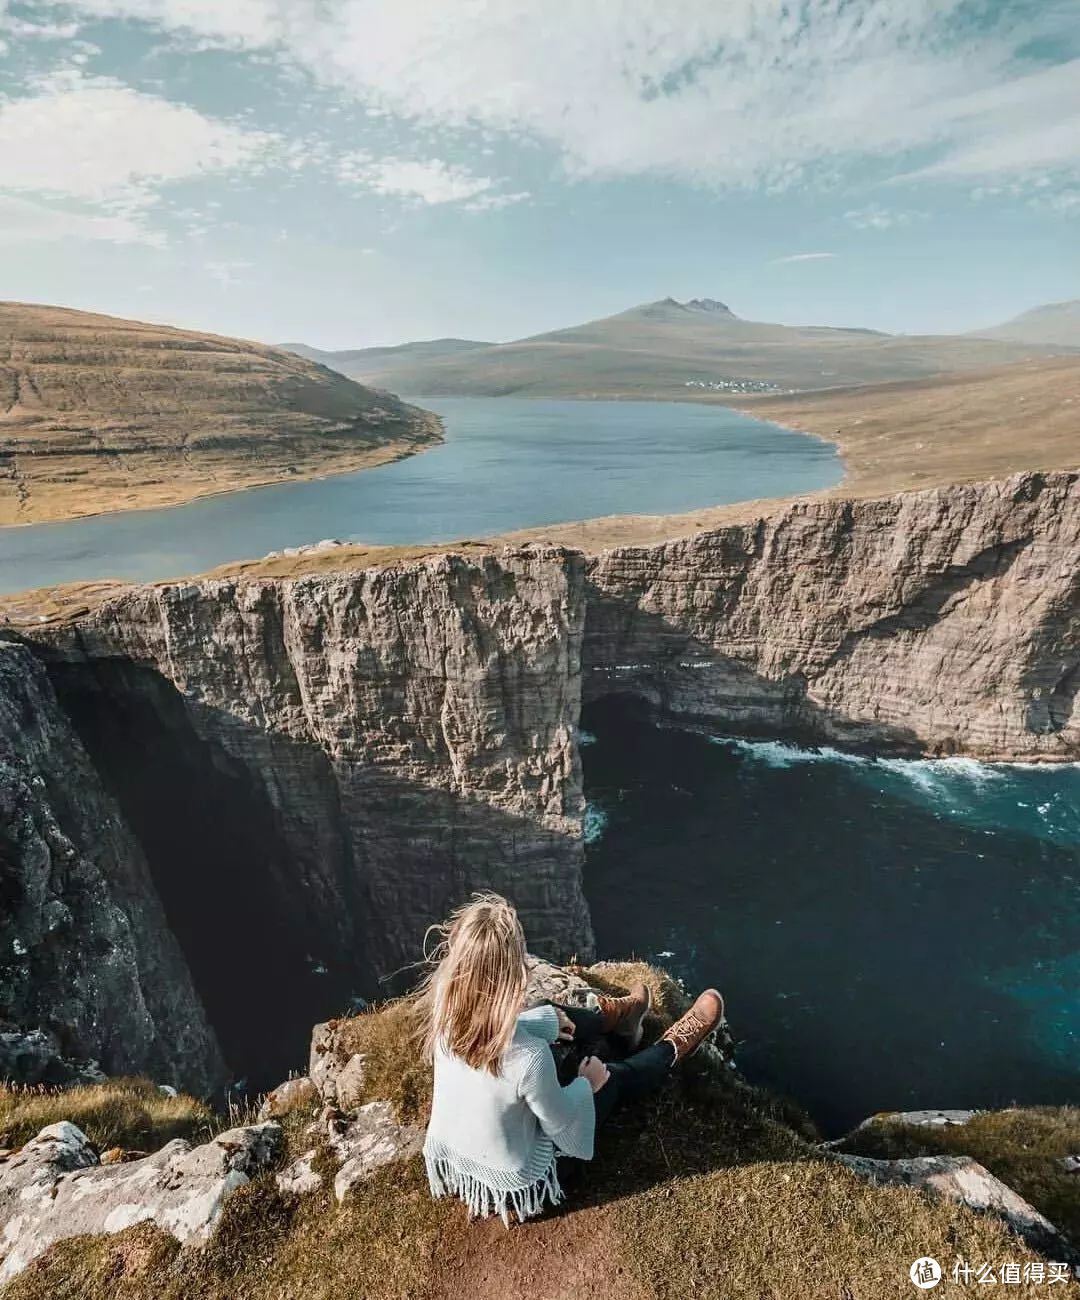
[89,968]
[318,769]
[315,768]
[941,622]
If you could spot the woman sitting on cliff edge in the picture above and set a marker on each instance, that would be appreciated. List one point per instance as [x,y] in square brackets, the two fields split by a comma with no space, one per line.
[499,1116]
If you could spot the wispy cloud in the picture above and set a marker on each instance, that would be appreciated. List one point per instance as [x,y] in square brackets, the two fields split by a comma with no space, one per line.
[227,273]
[747,93]
[112,149]
[25,221]
[876,217]
[802,257]
[424,180]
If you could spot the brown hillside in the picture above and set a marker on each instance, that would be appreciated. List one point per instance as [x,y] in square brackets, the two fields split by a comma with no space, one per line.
[670,350]
[98,413]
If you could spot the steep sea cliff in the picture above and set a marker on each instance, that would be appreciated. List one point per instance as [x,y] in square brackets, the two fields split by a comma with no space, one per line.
[312,769]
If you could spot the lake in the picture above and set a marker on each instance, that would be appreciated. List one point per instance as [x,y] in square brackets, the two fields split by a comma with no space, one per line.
[889,933]
[507,463]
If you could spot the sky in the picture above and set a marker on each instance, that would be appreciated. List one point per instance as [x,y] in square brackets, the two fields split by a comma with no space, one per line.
[356,172]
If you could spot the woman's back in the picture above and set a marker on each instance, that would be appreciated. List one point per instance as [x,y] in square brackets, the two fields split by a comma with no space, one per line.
[493,1138]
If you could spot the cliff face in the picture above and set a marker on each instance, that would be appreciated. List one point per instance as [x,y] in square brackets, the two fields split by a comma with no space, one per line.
[319,768]
[86,955]
[945,621]
[312,769]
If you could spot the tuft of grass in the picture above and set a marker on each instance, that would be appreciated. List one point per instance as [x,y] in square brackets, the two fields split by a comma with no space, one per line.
[1023,1147]
[129,1113]
[394,1070]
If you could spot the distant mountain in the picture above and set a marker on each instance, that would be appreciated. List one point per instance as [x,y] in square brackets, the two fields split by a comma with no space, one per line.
[1057,324]
[100,414]
[670,349]
[358,363]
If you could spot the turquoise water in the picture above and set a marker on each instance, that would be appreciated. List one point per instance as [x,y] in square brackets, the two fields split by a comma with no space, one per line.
[506,464]
[889,933]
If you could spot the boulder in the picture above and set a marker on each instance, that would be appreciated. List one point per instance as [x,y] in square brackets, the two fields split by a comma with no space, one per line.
[293,1094]
[962,1179]
[548,983]
[55,1187]
[362,1143]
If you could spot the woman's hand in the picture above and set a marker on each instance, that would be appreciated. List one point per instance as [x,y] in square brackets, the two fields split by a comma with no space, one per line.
[566,1026]
[593,1069]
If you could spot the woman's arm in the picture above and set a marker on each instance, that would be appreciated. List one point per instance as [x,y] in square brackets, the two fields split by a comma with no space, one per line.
[541,1022]
[567,1115]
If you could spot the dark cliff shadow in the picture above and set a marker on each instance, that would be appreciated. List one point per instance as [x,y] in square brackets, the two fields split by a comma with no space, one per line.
[299,887]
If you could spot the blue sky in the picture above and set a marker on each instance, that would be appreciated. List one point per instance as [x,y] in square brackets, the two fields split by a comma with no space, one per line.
[353,172]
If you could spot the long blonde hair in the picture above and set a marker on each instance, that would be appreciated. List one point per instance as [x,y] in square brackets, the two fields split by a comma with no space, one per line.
[469,1002]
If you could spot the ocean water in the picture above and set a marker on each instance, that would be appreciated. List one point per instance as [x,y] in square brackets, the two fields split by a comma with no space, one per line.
[506,464]
[889,934]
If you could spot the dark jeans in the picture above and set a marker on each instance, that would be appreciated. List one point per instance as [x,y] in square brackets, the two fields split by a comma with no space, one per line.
[636,1076]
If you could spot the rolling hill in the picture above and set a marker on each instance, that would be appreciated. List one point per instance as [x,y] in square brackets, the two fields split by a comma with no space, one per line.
[360,361]
[98,413]
[672,349]
[1056,324]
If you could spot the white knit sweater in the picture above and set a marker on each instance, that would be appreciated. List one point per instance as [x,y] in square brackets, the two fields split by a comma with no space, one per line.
[493,1139]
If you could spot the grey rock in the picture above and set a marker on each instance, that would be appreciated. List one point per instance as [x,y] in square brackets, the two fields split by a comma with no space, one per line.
[919,1118]
[55,1188]
[550,983]
[364,1142]
[299,1176]
[374,1138]
[293,1094]
[337,1076]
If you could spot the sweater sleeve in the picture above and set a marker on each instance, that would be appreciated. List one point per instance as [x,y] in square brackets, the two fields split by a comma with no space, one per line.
[567,1115]
[541,1022]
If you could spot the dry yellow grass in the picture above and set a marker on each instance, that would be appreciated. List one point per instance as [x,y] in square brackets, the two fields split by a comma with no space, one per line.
[100,414]
[130,1113]
[960,428]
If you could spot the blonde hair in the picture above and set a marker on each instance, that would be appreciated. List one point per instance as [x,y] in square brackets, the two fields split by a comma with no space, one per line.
[469,1002]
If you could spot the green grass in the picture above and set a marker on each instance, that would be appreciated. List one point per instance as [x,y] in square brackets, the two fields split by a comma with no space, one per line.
[128,1113]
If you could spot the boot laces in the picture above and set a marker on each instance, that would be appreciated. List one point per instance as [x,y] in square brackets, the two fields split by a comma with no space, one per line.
[688,1027]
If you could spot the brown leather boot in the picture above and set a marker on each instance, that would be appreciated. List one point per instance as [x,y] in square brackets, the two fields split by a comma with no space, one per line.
[623,1016]
[688,1032]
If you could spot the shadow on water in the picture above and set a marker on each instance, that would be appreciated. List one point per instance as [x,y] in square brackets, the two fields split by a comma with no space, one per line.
[888,934]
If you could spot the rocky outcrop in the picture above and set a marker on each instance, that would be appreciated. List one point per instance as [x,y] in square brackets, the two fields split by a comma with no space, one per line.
[55,1188]
[357,1144]
[961,1179]
[940,622]
[90,972]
